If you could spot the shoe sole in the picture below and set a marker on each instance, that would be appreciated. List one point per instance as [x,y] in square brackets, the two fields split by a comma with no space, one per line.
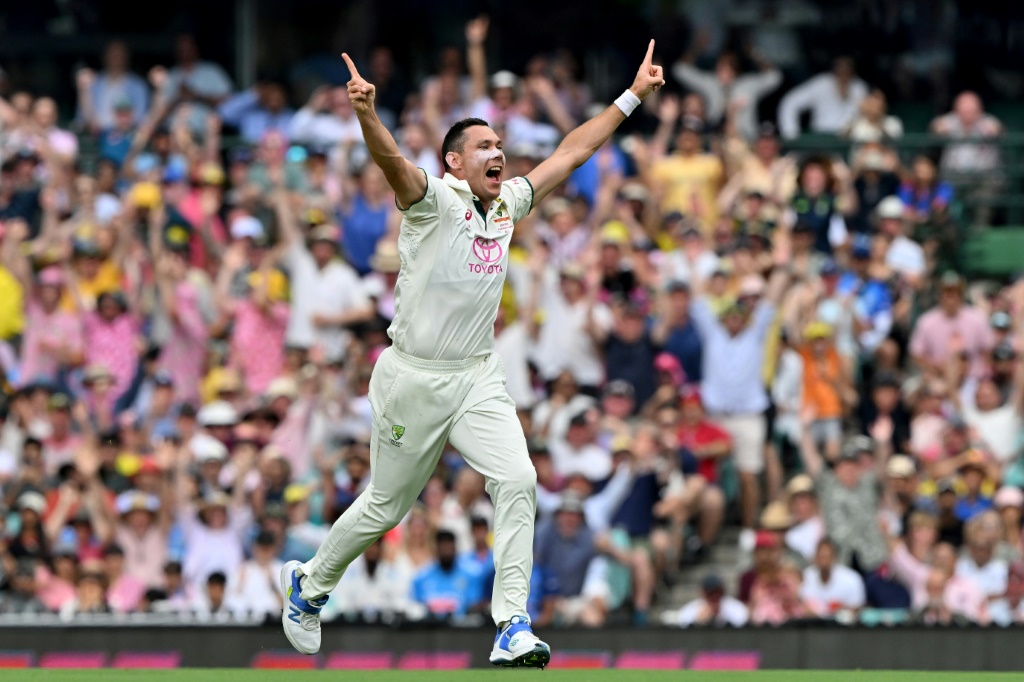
[538,657]
[286,582]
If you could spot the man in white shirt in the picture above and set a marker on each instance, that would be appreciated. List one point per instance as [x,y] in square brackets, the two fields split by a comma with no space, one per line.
[733,388]
[578,453]
[904,255]
[713,607]
[829,587]
[327,120]
[833,99]
[201,85]
[327,295]
[441,381]
[373,586]
[253,588]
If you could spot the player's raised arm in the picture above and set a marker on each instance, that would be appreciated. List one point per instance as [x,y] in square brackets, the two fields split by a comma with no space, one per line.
[407,180]
[581,143]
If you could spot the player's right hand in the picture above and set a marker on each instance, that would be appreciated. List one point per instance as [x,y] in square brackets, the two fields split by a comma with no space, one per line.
[360,91]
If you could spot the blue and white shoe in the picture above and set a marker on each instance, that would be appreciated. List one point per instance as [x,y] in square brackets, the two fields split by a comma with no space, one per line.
[300,618]
[516,645]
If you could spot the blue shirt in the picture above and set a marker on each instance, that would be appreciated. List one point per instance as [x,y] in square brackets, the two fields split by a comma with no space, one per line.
[114,145]
[966,509]
[543,585]
[684,343]
[447,592]
[362,228]
[253,121]
[922,201]
[633,362]
[585,180]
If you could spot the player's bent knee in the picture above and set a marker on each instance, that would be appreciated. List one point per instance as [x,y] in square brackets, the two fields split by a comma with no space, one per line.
[520,481]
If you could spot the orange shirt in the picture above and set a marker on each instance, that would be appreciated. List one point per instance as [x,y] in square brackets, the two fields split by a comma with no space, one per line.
[820,377]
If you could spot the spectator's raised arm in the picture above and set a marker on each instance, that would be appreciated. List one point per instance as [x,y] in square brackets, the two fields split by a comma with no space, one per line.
[476,57]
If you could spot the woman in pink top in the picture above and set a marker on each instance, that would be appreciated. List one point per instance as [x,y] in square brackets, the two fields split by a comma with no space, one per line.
[181,355]
[111,338]
[53,337]
[260,320]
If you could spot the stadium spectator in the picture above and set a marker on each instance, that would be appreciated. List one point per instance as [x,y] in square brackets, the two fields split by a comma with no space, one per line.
[829,589]
[191,85]
[258,110]
[833,98]
[445,587]
[373,587]
[713,607]
[102,95]
[254,587]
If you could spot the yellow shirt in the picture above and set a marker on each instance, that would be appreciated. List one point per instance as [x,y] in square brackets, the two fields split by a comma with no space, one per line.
[691,185]
[12,305]
[108,278]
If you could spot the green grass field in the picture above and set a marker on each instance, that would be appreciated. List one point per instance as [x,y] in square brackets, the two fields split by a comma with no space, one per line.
[234,675]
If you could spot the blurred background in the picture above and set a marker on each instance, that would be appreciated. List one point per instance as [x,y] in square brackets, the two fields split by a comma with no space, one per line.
[764,344]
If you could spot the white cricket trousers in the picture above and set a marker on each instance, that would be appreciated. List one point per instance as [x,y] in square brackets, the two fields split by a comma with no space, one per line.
[418,406]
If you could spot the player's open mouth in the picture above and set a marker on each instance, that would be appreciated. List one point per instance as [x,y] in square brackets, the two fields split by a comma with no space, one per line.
[494,173]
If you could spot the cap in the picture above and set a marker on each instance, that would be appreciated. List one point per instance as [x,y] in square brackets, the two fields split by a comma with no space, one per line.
[888,379]
[666,362]
[295,493]
[1008,496]
[957,422]
[1000,320]
[144,195]
[951,280]
[945,486]
[890,208]
[817,330]
[206,448]
[861,247]
[676,286]
[690,394]
[692,124]
[386,257]
[31,500]
[621,443]
[857,445]
[225,380]
[282,387]
[217,413]
[776,516]
[1004,351]
[800,484]
[177,235]
[751,285]
[803,226]
[900,466]
[975,460]
[51,276]
[767,129]
[829,268]
[572,270]
[216,498]
[615,232]
[555,206]
[134,500]
[504,79]
[210,173]
[163,379]
[96,372]
[634,191]
[620,388]
[324,233]
[712,583]
[65,547]
[571,502]
[766,539]
[59,401]
[247,226]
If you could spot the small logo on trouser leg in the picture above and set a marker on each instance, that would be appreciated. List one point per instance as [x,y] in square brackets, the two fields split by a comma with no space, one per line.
[397,431]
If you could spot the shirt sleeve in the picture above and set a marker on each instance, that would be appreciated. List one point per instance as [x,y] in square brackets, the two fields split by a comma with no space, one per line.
[427,206]
[519,196]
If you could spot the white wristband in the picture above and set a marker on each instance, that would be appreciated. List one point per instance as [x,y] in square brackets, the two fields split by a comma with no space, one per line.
[627,102]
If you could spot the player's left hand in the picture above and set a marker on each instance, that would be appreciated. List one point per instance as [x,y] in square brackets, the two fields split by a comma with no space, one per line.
[649,77]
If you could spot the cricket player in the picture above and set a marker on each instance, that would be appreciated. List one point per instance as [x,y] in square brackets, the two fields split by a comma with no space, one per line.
[441,381]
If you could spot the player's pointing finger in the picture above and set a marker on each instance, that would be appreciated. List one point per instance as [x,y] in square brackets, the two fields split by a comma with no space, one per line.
[352,67]
[650,52]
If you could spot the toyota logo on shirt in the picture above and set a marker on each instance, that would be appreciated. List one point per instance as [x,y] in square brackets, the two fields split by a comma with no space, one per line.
[487,250]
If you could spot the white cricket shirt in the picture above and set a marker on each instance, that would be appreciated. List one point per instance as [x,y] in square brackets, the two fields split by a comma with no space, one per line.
[454,260]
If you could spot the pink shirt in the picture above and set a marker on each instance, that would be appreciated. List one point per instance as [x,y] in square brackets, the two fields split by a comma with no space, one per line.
[959,596]
[932,335]
[257,344]
[183,354]
[52,591]
[291,437]
[192,211]
[112,344]
[125,594]
[144,556]
[58,328]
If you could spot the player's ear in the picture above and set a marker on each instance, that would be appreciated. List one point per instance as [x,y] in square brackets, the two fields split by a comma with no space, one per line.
[454,160]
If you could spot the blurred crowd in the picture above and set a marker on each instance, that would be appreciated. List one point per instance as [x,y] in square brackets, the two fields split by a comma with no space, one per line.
[704,335]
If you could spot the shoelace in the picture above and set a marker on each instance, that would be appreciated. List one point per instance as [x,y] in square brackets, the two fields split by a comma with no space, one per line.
[311,621]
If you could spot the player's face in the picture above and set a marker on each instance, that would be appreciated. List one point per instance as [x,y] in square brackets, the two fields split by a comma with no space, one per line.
[481,162]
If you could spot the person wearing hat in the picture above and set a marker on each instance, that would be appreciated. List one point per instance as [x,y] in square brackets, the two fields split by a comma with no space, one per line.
[848,493]
[807,528]
[688,180]
[873,302]
[904,256]
[764,171]
[690,258]
[827,387]
[141,531]
[380,285]
[733,390]
[713,607]
[951,329]
[772,586]
[110,339]
[1009,502]
[252,588]
[52,336]
[327,295]
[975,497]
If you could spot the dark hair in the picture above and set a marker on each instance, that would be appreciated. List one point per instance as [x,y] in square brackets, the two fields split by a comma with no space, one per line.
[455,138]
[217,578]
[113,550]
